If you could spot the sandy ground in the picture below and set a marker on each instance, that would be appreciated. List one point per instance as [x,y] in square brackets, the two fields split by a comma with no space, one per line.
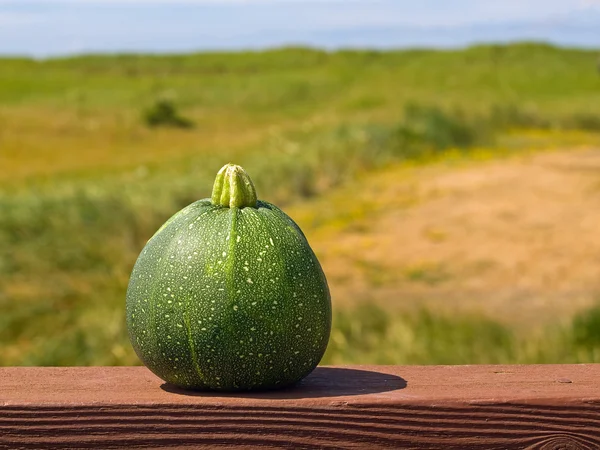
[517,239]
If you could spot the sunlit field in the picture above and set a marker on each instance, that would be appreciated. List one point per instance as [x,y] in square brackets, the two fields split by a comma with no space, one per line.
[451,196]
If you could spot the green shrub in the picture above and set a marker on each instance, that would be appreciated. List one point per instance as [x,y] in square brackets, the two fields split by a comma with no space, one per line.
[429,128]
[586,328]
[584,121]
[512,116]
[163,113]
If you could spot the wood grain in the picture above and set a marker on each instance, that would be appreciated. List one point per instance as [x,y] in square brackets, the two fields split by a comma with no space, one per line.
[426,407]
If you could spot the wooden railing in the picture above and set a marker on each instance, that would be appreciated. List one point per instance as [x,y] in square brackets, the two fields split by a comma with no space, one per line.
[446,407]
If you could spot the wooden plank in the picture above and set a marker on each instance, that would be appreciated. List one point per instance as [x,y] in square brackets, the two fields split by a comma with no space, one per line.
[450,407]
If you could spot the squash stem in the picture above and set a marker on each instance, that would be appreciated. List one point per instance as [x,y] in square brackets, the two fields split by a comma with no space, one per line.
[233,188]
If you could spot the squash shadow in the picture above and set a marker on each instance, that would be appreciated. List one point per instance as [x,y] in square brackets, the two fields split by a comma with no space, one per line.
[322,382]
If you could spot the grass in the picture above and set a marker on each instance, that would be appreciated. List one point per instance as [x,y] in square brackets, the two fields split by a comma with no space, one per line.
[84,181]
[90,106]
[369,334]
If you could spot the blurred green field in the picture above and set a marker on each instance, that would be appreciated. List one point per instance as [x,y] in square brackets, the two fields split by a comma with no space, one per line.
[84,181]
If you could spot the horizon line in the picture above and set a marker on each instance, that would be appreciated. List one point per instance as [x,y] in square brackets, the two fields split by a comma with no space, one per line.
[300,46]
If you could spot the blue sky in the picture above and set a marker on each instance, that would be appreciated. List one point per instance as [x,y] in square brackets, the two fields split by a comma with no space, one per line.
[55,27]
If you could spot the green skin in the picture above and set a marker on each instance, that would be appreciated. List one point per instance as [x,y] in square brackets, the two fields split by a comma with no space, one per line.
[229,299]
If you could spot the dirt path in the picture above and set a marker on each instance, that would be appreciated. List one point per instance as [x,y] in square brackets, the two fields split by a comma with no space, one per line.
[517,238]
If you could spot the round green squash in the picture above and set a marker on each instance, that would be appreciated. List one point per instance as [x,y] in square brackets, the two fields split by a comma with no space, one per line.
[228,295]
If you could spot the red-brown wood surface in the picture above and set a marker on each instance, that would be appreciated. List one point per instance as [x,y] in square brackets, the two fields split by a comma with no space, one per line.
[450,407]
